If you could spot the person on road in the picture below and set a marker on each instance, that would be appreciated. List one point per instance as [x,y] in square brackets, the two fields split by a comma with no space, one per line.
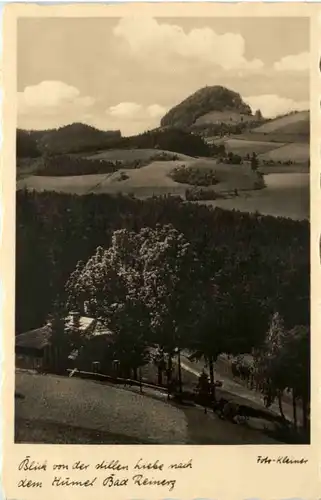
[203,388]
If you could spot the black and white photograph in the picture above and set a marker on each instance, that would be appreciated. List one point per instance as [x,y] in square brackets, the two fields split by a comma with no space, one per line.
[162,256]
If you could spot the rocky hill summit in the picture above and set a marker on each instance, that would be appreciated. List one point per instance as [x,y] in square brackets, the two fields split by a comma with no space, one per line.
[204,101]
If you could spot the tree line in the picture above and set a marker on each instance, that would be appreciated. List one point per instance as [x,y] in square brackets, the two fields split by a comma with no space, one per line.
[71,165]
[265,258]
[151,289]
[73,138]
[166,272]
[77,138]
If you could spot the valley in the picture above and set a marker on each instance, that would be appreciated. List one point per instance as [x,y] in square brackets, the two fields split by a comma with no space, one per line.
[207,212]
[223,140]
[162,270]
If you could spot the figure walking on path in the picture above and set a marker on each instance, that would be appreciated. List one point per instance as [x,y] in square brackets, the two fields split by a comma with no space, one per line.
[203,388]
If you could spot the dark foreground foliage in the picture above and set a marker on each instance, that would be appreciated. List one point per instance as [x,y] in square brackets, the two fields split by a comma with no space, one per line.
[263,262]
[26,145]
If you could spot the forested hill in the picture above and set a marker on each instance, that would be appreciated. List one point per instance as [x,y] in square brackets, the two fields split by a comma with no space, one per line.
[68,139]
[79,138]
[203,101]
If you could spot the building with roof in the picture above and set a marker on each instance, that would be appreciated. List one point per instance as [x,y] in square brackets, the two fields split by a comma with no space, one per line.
[96,354]
[33,349]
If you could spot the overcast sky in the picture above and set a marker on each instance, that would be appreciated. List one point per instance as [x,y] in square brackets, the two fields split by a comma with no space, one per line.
[125,73]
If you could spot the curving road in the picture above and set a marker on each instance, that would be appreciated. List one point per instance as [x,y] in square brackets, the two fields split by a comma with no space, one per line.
[236,388]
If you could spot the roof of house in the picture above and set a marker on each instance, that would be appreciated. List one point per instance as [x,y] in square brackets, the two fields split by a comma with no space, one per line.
[34,339]
[39,338]
[84,322]
[100,329]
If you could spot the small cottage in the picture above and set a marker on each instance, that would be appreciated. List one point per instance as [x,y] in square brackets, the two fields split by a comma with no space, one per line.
[96,355]
[33,350]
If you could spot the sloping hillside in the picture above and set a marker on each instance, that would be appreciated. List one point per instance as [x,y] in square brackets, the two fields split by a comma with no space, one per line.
[125,155]
[297,123]
[202,102]
[296,152]
[151,180]
[229,116]
[243,147]
[87,405]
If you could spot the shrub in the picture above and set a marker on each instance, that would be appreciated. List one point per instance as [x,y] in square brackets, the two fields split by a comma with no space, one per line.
[123,176]
[194,176]
[198,194]
[234,159]
[70,165]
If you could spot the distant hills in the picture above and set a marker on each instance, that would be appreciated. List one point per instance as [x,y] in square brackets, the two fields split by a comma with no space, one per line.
[73,138]
[292,128]
[203,103]
[80,138]
[218,111]
[77,137]
[194,127]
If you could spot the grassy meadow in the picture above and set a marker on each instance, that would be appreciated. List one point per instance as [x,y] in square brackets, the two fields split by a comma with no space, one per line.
[150,180]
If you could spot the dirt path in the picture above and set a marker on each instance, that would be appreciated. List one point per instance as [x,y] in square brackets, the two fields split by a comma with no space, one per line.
[237,389]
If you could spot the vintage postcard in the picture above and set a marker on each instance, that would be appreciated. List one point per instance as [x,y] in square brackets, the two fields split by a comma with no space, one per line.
[160,251]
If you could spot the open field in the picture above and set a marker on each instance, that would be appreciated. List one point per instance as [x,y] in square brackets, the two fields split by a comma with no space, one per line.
[298,153]
[298,168]
[227,116]
[295,123]
[244,146]
[27,167]
[274,137]
[285,195]
[133,154]
[80,184]
[153,179]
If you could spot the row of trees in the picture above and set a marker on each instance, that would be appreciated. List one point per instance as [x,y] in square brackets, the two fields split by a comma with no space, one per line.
[197,193]
[235,159]
[64,165]
[77,138]
[282,363]
[54,231]
[152,290]
[169,139]
[72,165]
[26,145]
[195,176]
